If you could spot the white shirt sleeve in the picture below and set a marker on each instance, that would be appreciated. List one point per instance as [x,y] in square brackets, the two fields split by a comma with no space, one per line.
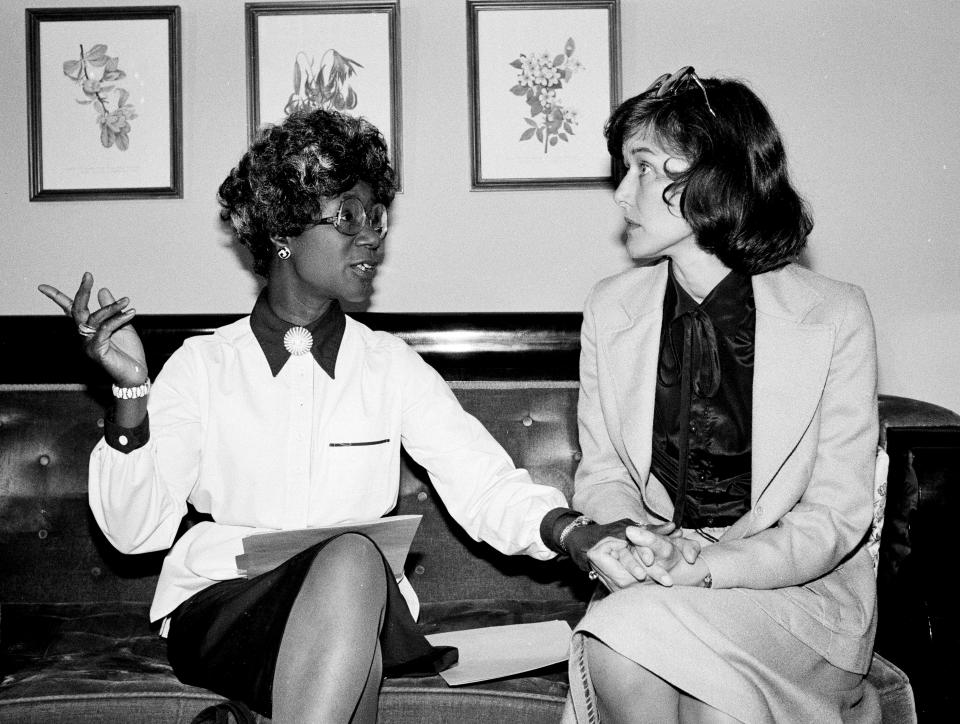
[139,498]
[485,493]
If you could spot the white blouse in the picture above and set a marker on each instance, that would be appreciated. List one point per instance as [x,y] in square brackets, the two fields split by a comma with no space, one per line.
[261,453]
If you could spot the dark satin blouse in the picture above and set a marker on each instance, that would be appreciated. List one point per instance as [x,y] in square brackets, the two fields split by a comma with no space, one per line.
[703,410]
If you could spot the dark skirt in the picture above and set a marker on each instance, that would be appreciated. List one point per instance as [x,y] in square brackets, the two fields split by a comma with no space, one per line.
[226,638]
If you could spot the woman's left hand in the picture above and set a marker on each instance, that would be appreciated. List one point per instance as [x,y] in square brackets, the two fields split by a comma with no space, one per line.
[649,555]
[581,540]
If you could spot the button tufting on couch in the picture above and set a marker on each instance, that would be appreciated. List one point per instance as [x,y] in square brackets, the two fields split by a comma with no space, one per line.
[75,641]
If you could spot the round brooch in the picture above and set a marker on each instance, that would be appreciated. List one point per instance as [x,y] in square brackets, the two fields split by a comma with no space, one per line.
[297,341]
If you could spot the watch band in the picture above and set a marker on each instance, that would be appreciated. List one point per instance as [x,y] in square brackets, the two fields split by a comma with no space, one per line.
[577,522]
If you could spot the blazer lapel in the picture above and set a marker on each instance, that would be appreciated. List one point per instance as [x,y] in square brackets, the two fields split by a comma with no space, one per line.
[634,345]
[791,361]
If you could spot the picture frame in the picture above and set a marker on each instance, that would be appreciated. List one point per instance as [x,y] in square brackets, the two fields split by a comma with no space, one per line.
[544,76]
[104,103]
[338,55]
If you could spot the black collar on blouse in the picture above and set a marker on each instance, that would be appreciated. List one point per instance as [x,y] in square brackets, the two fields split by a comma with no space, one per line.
[327,331]
[728,305]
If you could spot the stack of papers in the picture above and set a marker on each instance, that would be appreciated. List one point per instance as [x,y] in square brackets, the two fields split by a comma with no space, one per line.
[263,552]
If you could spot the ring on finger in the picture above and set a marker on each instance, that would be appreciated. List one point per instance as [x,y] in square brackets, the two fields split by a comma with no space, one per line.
[86,330]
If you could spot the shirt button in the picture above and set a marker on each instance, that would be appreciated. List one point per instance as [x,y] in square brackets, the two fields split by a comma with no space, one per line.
[122,440]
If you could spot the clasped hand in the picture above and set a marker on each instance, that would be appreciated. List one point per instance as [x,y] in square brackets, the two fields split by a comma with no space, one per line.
[624,553]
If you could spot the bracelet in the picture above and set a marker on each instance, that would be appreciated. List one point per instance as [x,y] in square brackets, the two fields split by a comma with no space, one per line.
[132,393]
[577,522]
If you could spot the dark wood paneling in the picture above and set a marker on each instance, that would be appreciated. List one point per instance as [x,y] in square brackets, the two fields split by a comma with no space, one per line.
[46,349]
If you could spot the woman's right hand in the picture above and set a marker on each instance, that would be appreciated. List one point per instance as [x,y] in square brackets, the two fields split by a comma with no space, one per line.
[108,337]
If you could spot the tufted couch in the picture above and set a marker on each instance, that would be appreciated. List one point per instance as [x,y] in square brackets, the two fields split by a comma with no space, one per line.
[75,643]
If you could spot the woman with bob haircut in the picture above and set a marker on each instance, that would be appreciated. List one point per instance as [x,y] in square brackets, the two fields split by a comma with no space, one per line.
[729,392]
[293,417]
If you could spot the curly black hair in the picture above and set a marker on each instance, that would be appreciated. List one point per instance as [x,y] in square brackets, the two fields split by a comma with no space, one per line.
[736,193]
[278,188]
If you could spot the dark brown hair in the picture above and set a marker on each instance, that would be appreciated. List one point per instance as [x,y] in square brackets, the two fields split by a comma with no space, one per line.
[736,193]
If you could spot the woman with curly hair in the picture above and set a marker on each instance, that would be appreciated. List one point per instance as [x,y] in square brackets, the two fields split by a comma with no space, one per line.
[290,418]
[729,392]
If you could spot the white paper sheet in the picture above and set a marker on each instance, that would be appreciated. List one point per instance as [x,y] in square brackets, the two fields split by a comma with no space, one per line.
[498,651]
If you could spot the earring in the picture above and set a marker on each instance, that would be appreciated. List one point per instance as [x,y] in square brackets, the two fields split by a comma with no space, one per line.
[284,252]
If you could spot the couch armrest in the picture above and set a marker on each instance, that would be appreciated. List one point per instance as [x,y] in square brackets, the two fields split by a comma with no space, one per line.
[917,628]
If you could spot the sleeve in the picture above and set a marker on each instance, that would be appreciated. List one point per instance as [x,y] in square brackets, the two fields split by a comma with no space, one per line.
[125,439]
[833,515]
[485,493]
[603,487]
[138,496]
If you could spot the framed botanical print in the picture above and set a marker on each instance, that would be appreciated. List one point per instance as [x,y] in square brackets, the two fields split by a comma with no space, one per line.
[103,88]
[544,77]
[341,56]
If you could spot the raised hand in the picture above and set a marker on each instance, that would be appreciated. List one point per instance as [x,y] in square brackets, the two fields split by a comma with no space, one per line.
[108,337]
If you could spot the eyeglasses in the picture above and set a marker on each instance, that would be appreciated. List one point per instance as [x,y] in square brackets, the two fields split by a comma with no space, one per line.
[351,217]
[671,85]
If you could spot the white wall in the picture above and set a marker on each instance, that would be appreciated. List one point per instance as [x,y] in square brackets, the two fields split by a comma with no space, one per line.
[865,91]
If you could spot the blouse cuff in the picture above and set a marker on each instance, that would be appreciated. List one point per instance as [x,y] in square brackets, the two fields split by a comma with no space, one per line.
[125,439]
[551,526]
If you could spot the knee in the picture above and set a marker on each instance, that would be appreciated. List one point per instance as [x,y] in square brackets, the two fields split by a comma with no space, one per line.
[350,557]
[354,548]
[598,654]
[610,669]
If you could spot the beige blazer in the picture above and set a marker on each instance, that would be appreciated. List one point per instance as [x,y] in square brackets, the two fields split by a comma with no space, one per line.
[815,431]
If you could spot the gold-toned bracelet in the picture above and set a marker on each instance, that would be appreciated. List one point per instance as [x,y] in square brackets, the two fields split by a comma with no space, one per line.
[131,393]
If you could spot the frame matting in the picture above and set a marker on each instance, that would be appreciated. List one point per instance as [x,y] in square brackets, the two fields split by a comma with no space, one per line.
[544,77]
[104,103]
[337,55]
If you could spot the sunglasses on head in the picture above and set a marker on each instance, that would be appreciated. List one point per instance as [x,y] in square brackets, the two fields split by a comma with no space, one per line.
[670,84]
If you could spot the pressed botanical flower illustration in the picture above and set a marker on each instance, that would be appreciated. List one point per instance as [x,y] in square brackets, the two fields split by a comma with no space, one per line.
[94,73]
[325,84]
[540,81]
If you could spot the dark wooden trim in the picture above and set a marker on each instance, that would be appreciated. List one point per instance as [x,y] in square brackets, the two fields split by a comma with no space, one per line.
[523,346]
